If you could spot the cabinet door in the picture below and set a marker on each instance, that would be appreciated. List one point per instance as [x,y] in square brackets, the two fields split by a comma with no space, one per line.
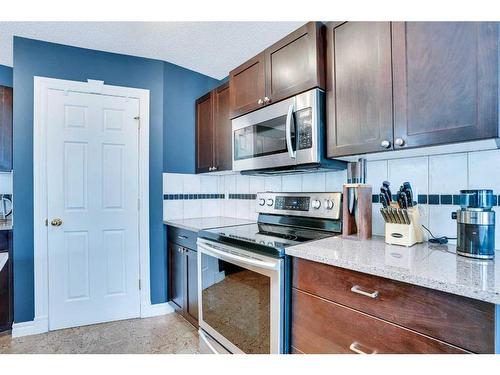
[296,63]
[359,88]
[445,82]
[5,129]
[204,133]
[223,133]
[247,87]
[192,286]
[177,271]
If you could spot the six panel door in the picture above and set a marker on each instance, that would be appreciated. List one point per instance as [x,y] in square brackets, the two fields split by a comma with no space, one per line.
[92,190]
[247,86]
[359,88]
[445,82]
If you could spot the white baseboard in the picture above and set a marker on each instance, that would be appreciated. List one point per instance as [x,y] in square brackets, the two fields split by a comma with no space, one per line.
[33,327]
[41,324]
[148,310]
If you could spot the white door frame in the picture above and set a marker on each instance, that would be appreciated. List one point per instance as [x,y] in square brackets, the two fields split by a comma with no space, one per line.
[41,86]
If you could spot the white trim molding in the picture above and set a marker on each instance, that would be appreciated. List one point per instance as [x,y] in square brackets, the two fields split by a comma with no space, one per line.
[148,311]
[41,86]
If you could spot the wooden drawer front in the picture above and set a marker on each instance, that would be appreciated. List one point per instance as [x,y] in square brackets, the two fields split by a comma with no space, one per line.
[182,237]
[323,327]
[460,321]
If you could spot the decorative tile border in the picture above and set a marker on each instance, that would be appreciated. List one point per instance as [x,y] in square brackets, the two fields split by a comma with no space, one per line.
[437,199]
[243,196]
[174,197]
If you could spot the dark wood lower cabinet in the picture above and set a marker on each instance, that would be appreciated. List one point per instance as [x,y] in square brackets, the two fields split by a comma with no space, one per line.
[320,327]
[183,273]
[6,283]
[330,315]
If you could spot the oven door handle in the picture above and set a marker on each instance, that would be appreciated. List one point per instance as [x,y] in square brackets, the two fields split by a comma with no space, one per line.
[224,255]
[288,131]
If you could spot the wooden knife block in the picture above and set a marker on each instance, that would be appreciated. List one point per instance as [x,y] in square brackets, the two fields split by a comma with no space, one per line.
[357,225]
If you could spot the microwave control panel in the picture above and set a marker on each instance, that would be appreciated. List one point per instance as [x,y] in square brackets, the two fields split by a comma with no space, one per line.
[303,121]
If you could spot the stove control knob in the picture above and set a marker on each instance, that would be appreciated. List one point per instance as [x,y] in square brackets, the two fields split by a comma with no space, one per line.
[269,202]
[328,204]
[316,204]
[262,201]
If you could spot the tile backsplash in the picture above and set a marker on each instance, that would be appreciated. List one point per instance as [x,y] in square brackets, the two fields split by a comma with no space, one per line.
[5,182]
[432,177]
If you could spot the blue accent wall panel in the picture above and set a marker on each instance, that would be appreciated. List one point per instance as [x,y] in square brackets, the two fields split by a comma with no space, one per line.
[182,88]
[5,76]
[36,58]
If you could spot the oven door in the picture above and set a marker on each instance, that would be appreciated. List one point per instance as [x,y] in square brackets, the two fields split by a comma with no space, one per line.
[284,134]
[240,298]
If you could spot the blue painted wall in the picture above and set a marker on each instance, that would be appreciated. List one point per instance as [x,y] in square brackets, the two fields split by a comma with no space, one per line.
[182,88]
[5,76]
[37,58]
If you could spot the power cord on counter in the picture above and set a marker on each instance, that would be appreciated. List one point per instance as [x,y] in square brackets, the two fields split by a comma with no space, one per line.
[439,240]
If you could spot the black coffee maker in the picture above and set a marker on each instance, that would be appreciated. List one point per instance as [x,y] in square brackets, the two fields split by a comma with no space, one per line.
[476,224]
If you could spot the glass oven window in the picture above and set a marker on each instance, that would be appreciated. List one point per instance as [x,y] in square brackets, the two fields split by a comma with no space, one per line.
[236,303]
[265,138]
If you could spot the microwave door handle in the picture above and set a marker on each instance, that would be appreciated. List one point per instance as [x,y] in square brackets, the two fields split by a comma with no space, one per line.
[288,131]
[213,251]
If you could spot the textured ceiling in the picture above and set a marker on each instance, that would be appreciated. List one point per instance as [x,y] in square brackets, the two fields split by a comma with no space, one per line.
[211,48]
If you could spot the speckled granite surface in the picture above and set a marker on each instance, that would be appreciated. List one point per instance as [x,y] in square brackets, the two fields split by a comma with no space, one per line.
[6,225]
[4,257]
[432,266]
[197,224]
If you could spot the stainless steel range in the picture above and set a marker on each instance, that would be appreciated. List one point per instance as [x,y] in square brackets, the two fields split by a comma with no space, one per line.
[243,272]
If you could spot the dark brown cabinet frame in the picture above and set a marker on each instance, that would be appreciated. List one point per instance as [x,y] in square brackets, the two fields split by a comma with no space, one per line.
[5,129]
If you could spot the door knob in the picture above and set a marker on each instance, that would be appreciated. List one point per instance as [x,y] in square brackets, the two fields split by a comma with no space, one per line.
[385,144]
[399,142]
[56,222]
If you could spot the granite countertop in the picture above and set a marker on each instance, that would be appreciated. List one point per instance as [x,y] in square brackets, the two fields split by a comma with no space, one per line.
[198,224]
[4,257]
[6,225]
[428,265]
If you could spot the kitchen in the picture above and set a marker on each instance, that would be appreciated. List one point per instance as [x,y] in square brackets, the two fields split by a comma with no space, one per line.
[333,191]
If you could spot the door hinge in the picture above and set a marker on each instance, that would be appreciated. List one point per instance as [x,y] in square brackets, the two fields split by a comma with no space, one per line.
[138,118]
[139,284]
[46,222]
[138,204]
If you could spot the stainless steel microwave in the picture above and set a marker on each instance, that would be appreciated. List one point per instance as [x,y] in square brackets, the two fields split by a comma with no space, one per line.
[287,136]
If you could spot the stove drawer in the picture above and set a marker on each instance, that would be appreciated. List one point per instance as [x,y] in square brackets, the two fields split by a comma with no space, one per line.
[323,327]
[461,321]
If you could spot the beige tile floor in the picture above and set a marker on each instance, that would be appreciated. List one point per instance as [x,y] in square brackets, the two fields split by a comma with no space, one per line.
[168,334]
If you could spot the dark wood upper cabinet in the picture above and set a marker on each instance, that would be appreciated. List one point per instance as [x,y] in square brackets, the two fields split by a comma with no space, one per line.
[5,129]
[445,82]
[292,65]
[296,63]
[359,88]
[213,131]
[247,84]
[223,130]
[204,133]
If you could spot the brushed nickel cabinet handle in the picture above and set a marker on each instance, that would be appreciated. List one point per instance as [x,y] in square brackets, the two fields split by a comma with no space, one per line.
[356,348]
[182,237]
[385,144]
[266,100]
[399,142]
[260,102]
[357,289]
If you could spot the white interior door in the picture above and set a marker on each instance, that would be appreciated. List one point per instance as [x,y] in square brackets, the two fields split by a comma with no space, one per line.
[93,188]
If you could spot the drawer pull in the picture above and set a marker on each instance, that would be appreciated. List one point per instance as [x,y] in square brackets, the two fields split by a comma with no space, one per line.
[357,289]
[356,348]
[182,237]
